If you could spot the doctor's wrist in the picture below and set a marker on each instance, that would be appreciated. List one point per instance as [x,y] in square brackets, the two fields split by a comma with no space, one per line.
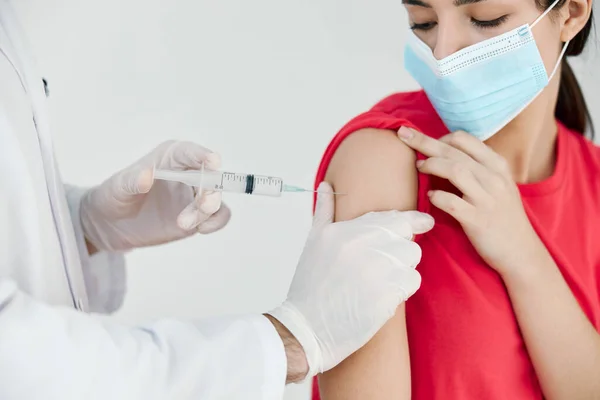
[297,364]
[91,249]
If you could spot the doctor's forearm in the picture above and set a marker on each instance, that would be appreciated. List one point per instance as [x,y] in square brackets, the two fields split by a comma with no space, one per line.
[562,343]
[297,366]
[60,354]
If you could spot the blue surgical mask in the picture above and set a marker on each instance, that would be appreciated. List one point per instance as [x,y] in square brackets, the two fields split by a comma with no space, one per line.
[483,87]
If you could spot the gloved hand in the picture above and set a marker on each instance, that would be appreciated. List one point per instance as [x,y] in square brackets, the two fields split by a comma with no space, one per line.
[132,210]
[351,277]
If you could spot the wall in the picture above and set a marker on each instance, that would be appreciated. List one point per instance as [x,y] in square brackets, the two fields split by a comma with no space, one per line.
[266,83]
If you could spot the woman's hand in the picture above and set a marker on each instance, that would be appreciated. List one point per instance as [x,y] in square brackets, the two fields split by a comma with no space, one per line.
[490,210]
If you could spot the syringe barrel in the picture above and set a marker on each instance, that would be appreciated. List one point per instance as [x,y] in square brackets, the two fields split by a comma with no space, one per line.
[226,181]
[244,183]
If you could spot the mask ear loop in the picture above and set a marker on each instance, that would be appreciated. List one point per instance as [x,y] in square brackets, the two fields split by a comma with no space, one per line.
[560,57]
[564,49]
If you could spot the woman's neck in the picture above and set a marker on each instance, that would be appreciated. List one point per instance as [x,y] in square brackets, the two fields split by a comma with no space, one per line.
[528,144]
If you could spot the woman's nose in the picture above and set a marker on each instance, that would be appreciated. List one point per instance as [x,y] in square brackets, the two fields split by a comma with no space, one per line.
[448,42]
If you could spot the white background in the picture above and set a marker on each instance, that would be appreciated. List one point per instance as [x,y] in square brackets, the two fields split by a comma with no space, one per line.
[266,83]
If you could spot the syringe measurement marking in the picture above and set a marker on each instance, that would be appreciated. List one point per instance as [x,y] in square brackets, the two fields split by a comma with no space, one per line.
[270,181]
[219,186]
[226,176]
[239,178]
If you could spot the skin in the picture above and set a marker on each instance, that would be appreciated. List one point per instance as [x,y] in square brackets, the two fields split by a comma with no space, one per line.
[555,329]
[297,365]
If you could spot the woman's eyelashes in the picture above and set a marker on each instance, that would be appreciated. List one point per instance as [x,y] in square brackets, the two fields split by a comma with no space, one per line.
[422,26]
[482,24]
[490,23]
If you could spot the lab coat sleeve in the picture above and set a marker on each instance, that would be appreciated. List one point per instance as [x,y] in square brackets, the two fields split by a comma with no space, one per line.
[104,273]
[63,354]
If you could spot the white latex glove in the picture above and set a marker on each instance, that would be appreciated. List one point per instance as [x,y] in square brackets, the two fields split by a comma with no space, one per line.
[132,210]
[350,279]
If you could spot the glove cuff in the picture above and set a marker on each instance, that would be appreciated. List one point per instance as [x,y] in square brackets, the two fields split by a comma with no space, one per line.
[295,322]
[88,225]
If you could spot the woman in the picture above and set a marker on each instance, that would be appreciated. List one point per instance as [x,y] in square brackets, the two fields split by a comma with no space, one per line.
[509,307]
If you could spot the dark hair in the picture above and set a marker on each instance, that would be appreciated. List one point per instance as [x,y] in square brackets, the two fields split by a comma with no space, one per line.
[571,108]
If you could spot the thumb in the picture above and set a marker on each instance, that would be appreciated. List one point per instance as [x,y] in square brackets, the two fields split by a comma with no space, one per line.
[325,208]
[145,180]
[119,196]
[419,222]
[133,182]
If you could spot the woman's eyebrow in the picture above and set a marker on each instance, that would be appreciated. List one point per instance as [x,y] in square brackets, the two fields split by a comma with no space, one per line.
[459,3]
[419,3]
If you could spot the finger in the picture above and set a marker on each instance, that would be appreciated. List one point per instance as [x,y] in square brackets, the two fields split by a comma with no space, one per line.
[427,145]
[189,155]
[325,207]
[403,279]
[403,253]
[407,282]
[476,149]
[461,174]
[216,221]
[129,184]
[145,180]
[394,224]
[457,207]
[204,205]
[419,222]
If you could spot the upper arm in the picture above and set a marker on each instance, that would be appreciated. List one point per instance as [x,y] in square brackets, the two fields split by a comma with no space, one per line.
[376,171]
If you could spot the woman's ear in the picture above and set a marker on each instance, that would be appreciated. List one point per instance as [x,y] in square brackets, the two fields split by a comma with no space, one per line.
[575,14]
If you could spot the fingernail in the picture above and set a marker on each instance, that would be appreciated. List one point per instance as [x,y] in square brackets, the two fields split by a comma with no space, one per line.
[420,163]
[430,193]
[405,133]
[186,221]
[143,182]
[211,203]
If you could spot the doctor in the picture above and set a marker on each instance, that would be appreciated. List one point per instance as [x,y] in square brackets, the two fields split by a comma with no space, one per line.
[62,266]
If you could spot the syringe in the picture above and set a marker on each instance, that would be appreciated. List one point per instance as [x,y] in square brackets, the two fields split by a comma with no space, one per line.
[230,182]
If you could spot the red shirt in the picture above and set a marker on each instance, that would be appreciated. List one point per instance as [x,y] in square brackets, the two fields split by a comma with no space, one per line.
[463,335]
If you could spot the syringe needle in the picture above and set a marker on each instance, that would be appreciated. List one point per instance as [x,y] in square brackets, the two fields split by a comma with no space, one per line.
[296,189]
[335,193]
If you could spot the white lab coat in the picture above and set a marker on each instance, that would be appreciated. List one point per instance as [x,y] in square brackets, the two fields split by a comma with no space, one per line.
[54,342]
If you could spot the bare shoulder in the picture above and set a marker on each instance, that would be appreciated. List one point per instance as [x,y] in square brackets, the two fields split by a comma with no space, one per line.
[376,171]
